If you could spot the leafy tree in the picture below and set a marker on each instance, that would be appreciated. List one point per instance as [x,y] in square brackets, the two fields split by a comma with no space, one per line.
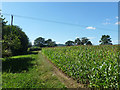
[50,43]
[89,43]
[84,40]
[3,21]
[10,43]
[105,40]
[69,43]
[42,43]
[39,42]
[14,40]
[77,41]
[29,44]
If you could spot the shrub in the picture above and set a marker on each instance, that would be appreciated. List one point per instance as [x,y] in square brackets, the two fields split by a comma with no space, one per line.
[14,39]
[34,48]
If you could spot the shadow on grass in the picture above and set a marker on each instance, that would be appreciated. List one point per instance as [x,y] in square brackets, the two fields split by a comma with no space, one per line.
[33,52]
[17,65]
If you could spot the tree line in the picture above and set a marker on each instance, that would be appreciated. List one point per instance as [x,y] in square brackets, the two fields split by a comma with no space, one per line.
[16,42]
[41,42]
[105,40]
[78,41]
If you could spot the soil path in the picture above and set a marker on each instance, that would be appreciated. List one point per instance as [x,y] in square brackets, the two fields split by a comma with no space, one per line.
[69,82]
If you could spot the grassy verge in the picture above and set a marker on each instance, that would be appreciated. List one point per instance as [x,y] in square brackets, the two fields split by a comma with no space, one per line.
[28,71]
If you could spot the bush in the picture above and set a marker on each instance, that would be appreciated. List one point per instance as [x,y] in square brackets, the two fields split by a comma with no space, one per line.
[14,39]
[6,53]
[35,48]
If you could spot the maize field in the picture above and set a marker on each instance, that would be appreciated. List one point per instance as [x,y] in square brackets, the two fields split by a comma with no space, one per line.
[93,66]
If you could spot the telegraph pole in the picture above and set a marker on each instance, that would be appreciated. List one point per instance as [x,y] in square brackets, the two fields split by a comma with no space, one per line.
[11,30]
[11,24]
[11,20]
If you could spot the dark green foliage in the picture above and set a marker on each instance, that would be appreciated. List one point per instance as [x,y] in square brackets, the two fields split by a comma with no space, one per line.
[3,21]
[14,40]
[69,43]
[33,52]
[84,40]
[50,43]
[78,42]
[34,48]
[40,42]
[29,44]
[105,40]
[89,43]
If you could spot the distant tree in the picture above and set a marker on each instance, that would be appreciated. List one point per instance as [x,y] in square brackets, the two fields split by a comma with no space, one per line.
[60,44]
[105,40]
[50,43]
[89,43]
[84,40]
[69,43]
[77,41]
[29,44]
[39,42]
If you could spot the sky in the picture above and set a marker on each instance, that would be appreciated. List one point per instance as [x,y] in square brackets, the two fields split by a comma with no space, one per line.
[79,19]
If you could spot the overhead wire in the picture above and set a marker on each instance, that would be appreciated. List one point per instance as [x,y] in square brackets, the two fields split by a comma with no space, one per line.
[53,21]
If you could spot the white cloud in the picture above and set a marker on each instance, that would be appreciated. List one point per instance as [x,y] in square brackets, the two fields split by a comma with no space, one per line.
[107,19]
[117,23]
[91,28]
[106,23]
[116,17]
[91,37]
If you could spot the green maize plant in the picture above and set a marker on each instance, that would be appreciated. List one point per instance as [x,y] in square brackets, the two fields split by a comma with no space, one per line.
[94,66]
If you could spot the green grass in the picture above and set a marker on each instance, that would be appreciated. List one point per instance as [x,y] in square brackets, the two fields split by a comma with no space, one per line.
[28,71]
